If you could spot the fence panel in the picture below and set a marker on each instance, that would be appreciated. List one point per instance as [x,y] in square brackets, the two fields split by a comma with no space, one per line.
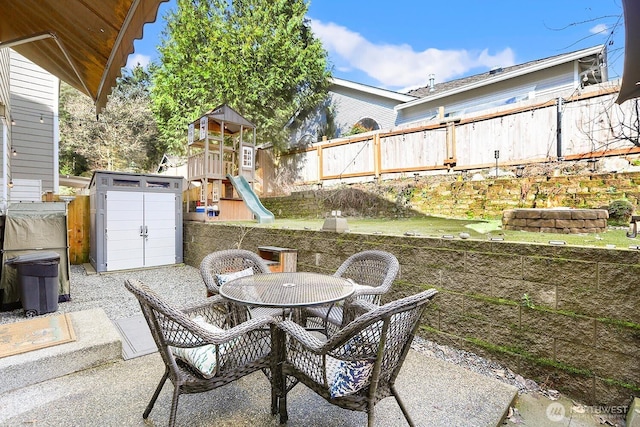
[592,126]
[519,137]
[413,150]
[300,167]
[350,159]
[598,124]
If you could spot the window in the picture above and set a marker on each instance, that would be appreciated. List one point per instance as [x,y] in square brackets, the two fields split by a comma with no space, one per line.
[247,157]
[364,125]
[369,124]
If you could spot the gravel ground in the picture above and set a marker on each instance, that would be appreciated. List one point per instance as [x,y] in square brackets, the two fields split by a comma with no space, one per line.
[183,285]
[475,363]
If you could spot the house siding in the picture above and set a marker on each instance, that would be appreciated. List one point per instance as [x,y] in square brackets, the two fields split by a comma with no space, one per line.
[4,78]
[311,126]
[5,111]
[542,85]
[34,94]
[351,106]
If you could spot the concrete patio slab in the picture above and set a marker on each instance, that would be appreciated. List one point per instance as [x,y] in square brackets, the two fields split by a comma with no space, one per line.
[97,342]
[436,393]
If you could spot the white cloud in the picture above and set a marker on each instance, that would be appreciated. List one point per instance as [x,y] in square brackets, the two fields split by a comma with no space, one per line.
[599,29]
[400,65]
[135,59]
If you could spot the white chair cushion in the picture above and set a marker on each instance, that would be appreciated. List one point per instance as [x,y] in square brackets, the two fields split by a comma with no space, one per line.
[224,278]
[203,358]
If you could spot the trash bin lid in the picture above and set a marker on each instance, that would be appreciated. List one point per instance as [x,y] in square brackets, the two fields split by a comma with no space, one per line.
[33,258]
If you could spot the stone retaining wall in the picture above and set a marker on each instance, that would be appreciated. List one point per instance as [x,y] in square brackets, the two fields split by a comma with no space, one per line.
[461,199]
[564,316]
[556,220]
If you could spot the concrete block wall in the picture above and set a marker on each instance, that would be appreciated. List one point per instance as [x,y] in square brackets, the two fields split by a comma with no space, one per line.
[564,316]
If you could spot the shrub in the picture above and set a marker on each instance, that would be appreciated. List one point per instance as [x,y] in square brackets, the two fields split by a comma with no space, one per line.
[620,212]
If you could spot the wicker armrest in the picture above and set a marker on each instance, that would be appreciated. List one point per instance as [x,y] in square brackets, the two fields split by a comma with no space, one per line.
[301,335]
[213,310]
[366,290]
[227,335]
[355,308]
[359,306]
[207,304]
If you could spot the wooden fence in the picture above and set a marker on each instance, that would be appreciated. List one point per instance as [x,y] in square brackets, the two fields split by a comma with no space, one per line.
[78,227]
[583,126]
[78,223]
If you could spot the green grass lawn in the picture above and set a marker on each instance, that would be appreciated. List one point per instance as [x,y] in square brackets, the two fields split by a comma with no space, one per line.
[476,229]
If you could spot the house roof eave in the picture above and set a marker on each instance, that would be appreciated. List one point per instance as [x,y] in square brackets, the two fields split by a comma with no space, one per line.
[389,94]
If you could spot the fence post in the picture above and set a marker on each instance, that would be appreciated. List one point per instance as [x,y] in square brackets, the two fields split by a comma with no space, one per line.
[376,155]
[559,129]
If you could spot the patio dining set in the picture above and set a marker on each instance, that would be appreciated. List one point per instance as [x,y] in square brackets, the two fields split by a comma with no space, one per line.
[328,332]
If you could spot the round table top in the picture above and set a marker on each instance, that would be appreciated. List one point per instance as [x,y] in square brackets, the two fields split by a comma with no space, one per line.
[298,289]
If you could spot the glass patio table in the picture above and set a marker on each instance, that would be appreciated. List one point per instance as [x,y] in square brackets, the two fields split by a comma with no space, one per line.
[287,290]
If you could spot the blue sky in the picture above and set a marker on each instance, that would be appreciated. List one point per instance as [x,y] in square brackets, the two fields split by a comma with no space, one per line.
[396,45]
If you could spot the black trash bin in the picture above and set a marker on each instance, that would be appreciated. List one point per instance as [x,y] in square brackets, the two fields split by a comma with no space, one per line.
[38,280]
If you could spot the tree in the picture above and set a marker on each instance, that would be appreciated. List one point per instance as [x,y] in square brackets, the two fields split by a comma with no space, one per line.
[124,137]
[258,56]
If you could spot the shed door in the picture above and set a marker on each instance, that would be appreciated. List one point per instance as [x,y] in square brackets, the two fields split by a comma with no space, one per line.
[123,240]
[160,229]
[141,229]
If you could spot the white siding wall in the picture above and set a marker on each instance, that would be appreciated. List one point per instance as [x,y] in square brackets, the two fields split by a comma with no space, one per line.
[311,126]
[351,106]
[34,94]
[541,86]
[4,78]
[5,122]
[26,190]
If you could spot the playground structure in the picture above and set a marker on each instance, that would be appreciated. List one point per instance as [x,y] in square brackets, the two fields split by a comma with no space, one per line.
[221,152]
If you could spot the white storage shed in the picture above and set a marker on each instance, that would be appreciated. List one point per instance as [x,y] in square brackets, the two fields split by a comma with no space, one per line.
[136,220]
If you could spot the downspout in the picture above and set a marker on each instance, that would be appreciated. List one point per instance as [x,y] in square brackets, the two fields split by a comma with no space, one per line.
[559,130]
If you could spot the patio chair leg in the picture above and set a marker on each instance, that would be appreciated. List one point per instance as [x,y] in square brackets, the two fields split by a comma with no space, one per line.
[402,407]
[370,417]
[174,406]
[274,401]
[147,411]
[282,404]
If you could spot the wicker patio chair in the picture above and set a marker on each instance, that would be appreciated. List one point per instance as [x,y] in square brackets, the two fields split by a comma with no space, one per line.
[228,264]
[199,357]
[223,264]
[373,273]
[358,366]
